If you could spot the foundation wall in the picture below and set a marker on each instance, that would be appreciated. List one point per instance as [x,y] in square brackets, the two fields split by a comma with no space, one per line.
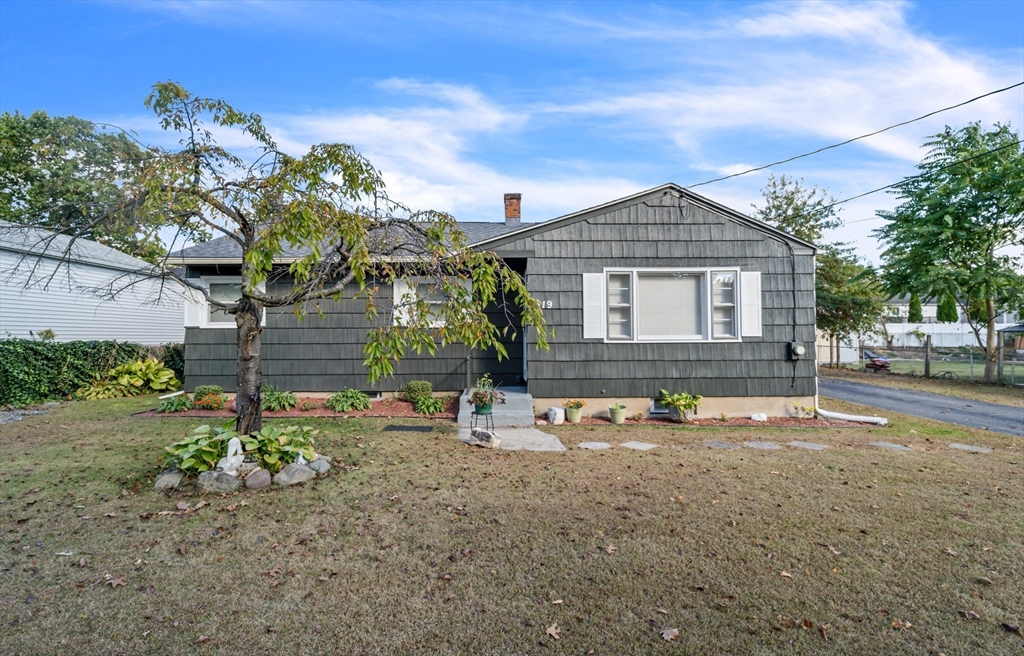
[715,406]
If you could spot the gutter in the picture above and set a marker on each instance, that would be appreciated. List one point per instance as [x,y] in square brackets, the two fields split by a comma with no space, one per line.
[881,421]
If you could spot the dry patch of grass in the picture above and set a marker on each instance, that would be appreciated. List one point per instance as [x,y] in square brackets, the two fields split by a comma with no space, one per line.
[1002,394]
[429,546]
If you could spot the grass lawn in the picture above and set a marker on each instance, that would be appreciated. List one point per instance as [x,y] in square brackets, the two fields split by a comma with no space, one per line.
[430,546]
[1002,394]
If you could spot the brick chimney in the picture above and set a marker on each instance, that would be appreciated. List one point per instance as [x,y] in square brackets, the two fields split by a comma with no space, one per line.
[512,209]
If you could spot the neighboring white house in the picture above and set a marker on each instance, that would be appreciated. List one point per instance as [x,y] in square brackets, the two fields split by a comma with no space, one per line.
[38,292]
[902,334]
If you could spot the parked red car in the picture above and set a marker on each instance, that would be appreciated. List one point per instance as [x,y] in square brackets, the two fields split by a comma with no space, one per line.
[875,363]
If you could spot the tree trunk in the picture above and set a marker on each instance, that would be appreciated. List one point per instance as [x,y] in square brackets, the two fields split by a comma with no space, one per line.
[991,348]
[249,379]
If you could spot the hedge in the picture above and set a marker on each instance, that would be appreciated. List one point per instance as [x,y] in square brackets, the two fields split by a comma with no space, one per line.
[33,371]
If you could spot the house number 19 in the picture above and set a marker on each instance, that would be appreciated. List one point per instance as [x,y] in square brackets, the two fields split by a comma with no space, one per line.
[547,305]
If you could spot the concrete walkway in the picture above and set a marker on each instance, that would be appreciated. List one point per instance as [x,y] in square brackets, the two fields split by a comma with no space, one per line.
[965,412]
[513,422]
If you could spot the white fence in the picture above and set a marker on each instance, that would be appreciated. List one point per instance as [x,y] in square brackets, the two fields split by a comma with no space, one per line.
[911,335]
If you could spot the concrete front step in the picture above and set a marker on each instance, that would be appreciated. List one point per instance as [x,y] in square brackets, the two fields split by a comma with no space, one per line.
[516,411]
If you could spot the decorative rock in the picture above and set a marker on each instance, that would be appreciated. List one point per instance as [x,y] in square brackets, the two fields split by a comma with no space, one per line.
[714,444]
[759,416]
[639,446]
[257,479]
[231,406]
[556,416]
[542,422]
[169,480]
[320,466]
[594,446]
[293,474]
[808,445]
[484,438]
[215,482]
[248,467]
[765,446]
[971,448]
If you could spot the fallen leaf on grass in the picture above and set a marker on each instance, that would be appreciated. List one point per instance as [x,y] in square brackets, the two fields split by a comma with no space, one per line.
[701,587]
[183,505]
[663,611]
[553,631]
[835,551]
[984,580]
[669,634]
[609,549]
[807,624]
[114,582]
[201,639]
[786,575]
[970,614]
[821,632]
[273,571]
[902,626]
[557,601]
[181,550]
[81,563]
[951,552]
[64,553]
[272,629]
[1009,628]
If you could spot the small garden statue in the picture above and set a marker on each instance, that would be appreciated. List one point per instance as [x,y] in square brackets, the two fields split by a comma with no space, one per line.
[231,463]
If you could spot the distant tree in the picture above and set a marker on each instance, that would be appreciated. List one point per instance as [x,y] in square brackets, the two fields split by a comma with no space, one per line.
[848,295]
[793,208]
[330,211]
[64,172]
[947,312]
[914,312]
[959,226]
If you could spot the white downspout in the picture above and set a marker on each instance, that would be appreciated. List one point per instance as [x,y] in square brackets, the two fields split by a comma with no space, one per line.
[881,421]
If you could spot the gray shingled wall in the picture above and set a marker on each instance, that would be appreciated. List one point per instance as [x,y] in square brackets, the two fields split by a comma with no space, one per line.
[644,236]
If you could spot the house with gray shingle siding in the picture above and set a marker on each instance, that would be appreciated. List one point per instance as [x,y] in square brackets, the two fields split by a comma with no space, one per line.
[664,289]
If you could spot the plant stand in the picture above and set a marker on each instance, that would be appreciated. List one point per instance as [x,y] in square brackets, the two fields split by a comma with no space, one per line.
[488,418]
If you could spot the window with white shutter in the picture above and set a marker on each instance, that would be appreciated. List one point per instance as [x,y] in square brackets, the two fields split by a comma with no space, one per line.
[594,318]
[750,293]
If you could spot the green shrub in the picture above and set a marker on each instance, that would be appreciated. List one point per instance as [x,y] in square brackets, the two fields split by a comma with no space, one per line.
[33,371]
[276,400]
[428,405]
[173,357]
[178,403]
[274,448]
[206,390]
[201,450]
[348,400]
[130,379]
[416,389]
[209,400]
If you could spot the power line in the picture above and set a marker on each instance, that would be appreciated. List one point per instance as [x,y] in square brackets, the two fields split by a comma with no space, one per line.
[849,141]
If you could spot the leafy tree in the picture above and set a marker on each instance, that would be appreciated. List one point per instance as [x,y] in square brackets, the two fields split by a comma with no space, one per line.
[914,312]
[958,226]
[947,312]
[330,208]
[791,207]
[64,172]
[848,295]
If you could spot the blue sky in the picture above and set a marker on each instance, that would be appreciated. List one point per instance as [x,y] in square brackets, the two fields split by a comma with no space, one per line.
[571,104]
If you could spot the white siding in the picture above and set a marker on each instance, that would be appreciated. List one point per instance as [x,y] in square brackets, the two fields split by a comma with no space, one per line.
[67,308]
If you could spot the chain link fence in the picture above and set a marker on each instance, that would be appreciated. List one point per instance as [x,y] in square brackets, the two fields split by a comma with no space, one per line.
[954,363]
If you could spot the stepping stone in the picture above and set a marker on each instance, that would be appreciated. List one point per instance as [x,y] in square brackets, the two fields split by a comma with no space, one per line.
[891,446]
[721,445]
[971,448]
[808,445]
[594,446]
[639,446]
[764,446]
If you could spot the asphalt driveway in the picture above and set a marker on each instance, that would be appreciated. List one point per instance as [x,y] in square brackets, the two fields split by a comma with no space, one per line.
[965,412]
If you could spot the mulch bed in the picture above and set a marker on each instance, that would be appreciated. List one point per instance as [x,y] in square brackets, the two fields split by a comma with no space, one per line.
[731,422]
[384,408]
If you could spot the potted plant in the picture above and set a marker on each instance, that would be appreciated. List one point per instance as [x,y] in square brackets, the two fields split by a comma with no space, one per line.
[573,410]
[617,413]
[484,396]
[681,407]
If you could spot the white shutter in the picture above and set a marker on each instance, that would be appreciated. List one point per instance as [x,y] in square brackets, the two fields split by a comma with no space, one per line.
[400,292]
[750,293]
[593,306]
[195,305]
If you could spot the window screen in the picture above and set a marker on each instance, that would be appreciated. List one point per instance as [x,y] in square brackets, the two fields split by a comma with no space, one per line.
[620,306]
[723,293]
[669,304]
[225,292]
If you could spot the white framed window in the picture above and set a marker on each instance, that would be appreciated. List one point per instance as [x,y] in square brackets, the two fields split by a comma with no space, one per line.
[407,293]
[666,305]
[202,314]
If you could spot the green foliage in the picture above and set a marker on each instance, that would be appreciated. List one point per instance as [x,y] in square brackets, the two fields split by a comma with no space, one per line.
[178,403]
[130,379]
[206,390]
[914,312]
[414,390]
[428,405]
[201,450]
[273,448]
[682,401]
[484,392]
[947,311]
[33,371]
[801,212]
[276,400]
[349,400]
[173,357]
[848,295]
[960,224]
